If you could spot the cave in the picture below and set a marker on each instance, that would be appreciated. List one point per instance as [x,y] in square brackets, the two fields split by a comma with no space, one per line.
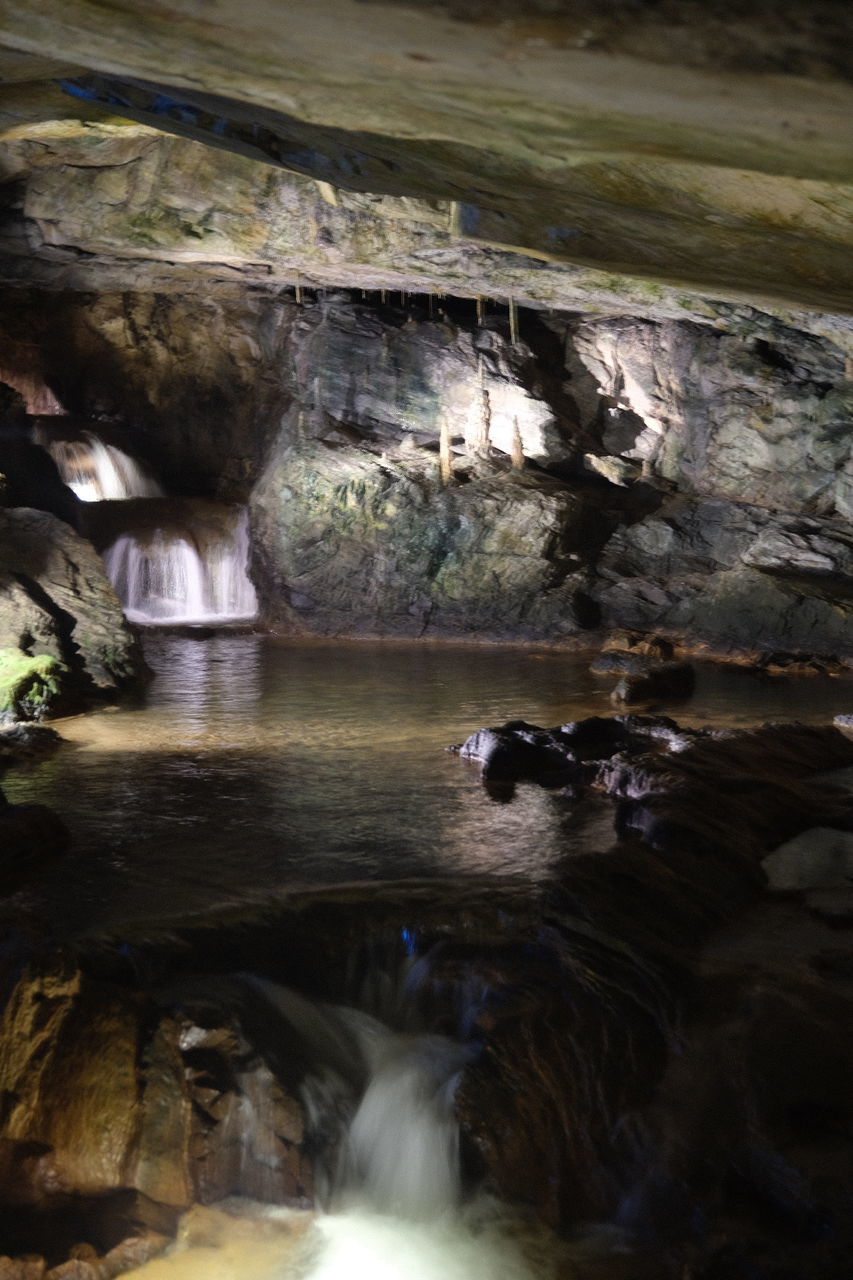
[426,640]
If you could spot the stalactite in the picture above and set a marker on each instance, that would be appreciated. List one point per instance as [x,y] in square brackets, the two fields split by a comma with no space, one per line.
[298,290]
[513,321]
[481,310]
[483,437]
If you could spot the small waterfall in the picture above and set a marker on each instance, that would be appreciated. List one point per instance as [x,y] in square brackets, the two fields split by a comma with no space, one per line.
[395,1149]
[184,572]
[379,1111]
[401,1154]
[100,472]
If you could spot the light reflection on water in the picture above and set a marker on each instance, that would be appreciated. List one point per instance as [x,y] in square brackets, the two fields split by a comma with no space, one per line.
[256,765]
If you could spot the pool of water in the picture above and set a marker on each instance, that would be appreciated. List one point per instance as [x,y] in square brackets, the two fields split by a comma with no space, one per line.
[255,767]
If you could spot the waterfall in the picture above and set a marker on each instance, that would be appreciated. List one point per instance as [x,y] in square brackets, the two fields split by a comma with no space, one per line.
[379,1112]
[172,562]
[98,471]
[185,573]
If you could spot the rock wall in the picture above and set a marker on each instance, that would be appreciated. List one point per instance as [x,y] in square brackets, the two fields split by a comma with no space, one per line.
[122,1113]
[417,469]
[748,439]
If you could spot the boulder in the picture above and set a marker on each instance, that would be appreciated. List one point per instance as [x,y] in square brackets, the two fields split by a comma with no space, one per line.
[63,637]
[27,742]
[348,542]
[123,1114]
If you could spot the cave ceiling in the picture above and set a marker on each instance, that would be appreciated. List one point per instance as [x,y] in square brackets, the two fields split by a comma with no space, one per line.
[670,159]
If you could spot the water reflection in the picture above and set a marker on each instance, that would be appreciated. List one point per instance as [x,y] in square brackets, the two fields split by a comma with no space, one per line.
[258,765]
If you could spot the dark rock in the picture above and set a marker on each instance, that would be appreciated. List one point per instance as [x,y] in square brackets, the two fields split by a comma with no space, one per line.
[31,478]
[672,682]
[59,612]
[622,662]
[518,752]
[30,836]
[27,742]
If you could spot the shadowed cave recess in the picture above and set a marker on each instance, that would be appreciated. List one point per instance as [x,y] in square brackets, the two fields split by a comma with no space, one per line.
[426,640]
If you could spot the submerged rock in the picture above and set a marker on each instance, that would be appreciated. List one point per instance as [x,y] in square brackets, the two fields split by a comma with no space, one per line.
[672,682]
[27,742]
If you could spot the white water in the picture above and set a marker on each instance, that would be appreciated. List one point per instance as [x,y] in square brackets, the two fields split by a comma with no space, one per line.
[101,472]
[170,578]
[398,1207]
[401,1154]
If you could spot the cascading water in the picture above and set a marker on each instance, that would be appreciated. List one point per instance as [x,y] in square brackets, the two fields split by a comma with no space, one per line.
[100,472]
[97,471]
[184,573]
[176,561]
[380,1106]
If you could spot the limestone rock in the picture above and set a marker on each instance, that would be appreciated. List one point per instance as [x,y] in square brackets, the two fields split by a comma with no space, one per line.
[715,571]
[354,543]
[56,603]
[688,178]
[762,419]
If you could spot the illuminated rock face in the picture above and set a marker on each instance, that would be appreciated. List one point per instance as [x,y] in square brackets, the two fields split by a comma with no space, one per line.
[416,474]
[630,139]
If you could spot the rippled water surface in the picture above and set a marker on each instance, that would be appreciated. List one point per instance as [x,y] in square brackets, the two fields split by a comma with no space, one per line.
[257,766]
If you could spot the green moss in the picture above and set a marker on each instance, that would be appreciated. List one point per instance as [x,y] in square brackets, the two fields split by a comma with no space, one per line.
[29,686]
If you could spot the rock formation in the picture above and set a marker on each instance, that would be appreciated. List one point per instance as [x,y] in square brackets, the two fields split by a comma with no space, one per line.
[63,638]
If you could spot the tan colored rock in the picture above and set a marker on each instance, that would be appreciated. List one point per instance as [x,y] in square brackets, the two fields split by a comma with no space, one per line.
[133,1252]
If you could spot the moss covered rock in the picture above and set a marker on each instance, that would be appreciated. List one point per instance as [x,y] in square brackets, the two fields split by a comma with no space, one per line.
[30,687]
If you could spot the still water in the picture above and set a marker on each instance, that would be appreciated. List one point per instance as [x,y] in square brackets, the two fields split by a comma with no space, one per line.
[257,767]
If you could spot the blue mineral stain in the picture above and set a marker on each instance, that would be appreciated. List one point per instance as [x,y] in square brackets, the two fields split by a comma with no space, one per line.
[410,941]
[562,233]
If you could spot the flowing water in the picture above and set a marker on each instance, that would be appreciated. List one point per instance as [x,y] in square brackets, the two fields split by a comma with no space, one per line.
[185,572]
[172,561]
[98,471]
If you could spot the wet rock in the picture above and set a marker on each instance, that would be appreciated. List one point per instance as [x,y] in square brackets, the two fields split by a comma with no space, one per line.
[27,742]
[672,682]
[61,628]
[114,1097]
[707,808]
[518,752]
[622,662]
[133,1252]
